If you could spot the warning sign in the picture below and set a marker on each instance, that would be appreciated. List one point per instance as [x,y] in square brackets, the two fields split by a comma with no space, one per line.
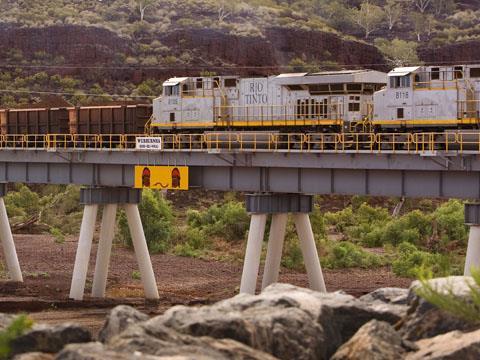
[161,177]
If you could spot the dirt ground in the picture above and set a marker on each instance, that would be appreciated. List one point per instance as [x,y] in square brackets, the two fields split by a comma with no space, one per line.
[47,267]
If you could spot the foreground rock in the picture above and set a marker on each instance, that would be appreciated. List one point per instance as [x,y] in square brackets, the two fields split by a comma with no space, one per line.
[284,320]
[388,295]
[453,345]
[425,320]
[148,341]
[34,356]
[119,319]
[374,340]
[49,339]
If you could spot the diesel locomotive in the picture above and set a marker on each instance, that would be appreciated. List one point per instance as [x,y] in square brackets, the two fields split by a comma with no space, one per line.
[429,98]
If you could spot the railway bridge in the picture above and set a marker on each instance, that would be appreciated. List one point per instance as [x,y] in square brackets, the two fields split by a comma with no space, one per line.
[281,173]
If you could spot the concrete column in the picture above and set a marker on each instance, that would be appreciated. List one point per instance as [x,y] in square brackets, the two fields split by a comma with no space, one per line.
[104,249]
[83,252]
[473,250]
[251,263]
[274,250]
[8,245]
[141,251]
[309,251]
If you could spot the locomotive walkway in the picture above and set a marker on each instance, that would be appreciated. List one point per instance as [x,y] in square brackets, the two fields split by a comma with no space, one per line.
[282,172]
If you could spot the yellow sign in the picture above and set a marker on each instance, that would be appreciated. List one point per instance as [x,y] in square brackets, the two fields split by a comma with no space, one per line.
[161,177]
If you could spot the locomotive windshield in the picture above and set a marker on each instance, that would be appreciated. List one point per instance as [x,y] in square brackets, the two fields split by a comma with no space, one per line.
[400,81]
[172,90]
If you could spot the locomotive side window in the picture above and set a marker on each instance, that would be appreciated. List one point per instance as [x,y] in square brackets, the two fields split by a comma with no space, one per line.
[354,107]
[475,72]
[172,117]
[230,82]
[216,82]
[435,74]
[294,87]
[400,113]
[336,88]
[354,88]
[199,83]
[458,72]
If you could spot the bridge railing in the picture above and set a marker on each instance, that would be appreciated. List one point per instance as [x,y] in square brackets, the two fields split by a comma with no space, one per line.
[419,143]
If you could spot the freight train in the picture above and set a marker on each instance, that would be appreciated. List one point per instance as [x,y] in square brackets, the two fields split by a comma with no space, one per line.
[418,98]
[407,99]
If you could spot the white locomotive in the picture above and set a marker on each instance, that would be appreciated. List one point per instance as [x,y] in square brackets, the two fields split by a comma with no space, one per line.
[299,100]
[429,96]
[354,100]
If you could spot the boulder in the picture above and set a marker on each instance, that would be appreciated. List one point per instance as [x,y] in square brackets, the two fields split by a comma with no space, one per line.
[376,340]
[284,320]
[34,356]
[450,346]
[97,351]
[389,295]
[153,339]
[118,320]
[49,339]
[425,320]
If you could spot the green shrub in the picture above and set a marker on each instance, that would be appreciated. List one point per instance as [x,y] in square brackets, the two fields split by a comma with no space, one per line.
[450,220]
[346,255]
[467,308]
[22,203]
[17,327]
[58,235]
[292,255]
[411,262]
[157,217]
[229,220]
[194,243]
[318,222]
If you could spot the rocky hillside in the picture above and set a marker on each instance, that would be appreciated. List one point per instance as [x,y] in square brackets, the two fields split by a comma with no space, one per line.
[283,322]
[114,46]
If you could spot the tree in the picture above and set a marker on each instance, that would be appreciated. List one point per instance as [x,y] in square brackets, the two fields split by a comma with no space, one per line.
[443,6]
[368,17]
[393,12]
[421,5]
[419,25]
[143,5]
[225,9]
[398,52]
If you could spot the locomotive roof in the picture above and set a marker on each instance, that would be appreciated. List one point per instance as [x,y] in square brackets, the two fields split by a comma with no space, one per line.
[174,81]
[402,71]
[329,77]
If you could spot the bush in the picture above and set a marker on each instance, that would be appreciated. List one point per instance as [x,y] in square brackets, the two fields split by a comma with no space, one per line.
[411,262]
[18,326]
[346,255]
[22,204]
[467,308]
[229,220]
[450,220]
[157,217]
[195,242]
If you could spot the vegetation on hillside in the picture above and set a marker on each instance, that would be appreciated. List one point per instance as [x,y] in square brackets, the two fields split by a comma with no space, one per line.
[398,28]
[439,21]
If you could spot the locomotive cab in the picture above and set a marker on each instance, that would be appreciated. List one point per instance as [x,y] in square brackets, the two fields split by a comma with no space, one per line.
[427,97]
